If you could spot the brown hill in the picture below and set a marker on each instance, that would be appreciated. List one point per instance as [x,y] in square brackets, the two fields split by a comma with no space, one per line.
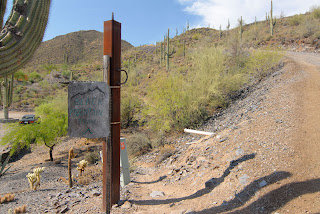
[81,46]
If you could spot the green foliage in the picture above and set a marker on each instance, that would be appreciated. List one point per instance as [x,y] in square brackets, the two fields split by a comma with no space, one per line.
[130,106]
[20,76]
[35,77]
[66,74]
[92,157]
[169,104]
[296,20]
[138,144]
[49,67]
[51,125]
[3,165]
[178,100]
[316,12]
[260,62]
[196,36]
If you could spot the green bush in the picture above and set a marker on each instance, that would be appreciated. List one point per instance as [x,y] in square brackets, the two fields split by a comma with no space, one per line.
[34,77]
[176,101]
[196,36]
[66,74]
[295,20]
[49,67]
[260,62]
[130,107]
[92,157]
[20,76]
[138,144]
[316,12]
[171,105]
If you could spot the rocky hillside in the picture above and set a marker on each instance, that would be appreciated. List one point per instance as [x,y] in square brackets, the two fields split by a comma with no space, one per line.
[81,46]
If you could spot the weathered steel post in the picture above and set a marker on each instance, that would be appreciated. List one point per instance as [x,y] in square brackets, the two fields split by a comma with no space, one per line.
[112,49]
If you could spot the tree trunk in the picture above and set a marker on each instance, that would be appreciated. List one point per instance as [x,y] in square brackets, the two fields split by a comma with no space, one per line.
[50,152]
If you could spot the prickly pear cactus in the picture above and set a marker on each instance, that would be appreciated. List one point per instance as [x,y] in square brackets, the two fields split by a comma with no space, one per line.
[21,35]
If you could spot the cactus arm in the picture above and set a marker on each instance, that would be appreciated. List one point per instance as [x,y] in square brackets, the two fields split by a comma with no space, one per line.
[3,6]
[22,34]
[10,92]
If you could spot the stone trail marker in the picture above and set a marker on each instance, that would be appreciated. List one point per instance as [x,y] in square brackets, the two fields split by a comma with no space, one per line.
[88,109]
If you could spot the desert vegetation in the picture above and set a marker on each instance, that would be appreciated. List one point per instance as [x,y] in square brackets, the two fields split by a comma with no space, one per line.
[175,84]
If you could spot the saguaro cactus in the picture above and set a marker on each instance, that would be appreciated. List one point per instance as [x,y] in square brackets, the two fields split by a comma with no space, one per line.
[220,32]
[228,26]
[167,53]
[6,88]
[21,35]
[240,28]
[272,21]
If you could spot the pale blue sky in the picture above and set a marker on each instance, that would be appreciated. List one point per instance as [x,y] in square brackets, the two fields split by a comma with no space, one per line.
[147,21]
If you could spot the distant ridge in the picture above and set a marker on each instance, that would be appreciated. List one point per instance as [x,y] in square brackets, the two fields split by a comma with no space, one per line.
[80,46]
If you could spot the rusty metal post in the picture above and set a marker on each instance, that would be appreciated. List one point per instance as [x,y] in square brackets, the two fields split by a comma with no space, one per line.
[112,48]
[106,150]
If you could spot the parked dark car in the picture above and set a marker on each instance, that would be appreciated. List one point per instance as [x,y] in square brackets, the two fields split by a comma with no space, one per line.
[27,119]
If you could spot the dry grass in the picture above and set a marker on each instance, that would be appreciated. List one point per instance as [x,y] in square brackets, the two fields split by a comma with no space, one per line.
[91,174]
[165,152]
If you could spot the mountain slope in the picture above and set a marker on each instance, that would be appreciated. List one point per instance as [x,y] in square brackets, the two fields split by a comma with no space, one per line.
[81,46]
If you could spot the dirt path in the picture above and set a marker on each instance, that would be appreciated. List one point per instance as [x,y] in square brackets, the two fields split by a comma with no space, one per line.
[265,159]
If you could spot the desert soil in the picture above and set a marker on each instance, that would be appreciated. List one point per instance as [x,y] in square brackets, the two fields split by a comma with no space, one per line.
[263,158]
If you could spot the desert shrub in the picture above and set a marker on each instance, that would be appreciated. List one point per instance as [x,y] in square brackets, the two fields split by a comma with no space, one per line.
[196,36]
[260,63]
[315,11]
[309,27]
[34,77]
[20,76]
[213,79]
[18,89]
[165,152]
[170,106]
[159,140]
[49,67]
[130,107]
[92,157]
[66,74]
[138,144]
[296,20]
[316,35]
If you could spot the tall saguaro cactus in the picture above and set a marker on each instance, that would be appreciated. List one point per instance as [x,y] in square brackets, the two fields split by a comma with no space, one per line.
[20,37]
[7,86]
[228,26]
[240,28]
[272,21]
[167,53]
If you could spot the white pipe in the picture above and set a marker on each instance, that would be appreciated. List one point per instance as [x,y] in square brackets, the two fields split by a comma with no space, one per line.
[198,132]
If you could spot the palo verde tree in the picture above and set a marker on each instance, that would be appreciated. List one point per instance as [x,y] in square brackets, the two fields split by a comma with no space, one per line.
[19,39]
[51,125]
